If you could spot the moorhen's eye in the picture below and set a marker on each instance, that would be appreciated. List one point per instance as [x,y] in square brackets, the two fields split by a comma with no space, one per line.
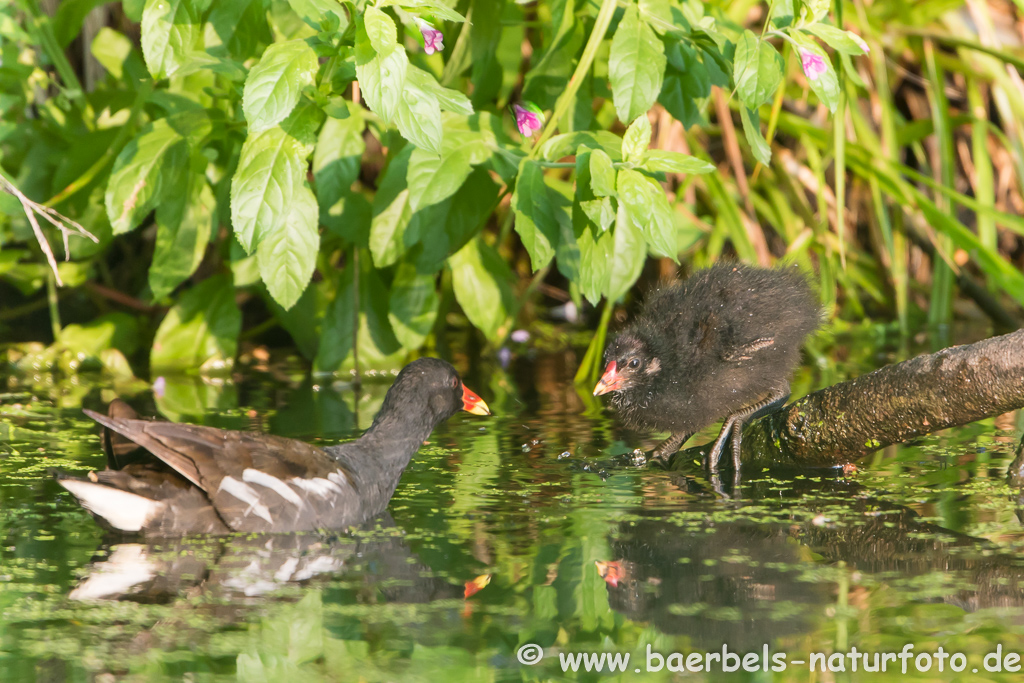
[635,363]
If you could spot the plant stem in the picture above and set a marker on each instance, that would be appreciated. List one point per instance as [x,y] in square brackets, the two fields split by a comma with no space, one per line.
[604,18]
[51,298]
[355,321]
[591,363]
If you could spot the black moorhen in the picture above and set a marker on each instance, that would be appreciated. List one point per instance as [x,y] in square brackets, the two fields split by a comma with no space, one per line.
[723,343]
[211,480]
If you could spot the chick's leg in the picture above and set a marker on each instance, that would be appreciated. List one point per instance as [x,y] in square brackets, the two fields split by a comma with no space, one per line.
[667,448]
[734,426]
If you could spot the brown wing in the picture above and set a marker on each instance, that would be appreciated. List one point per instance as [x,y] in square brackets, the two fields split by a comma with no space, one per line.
[255,481]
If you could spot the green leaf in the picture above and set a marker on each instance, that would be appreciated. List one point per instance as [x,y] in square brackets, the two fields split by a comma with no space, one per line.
[418,117]
[602,174]
[434,178]
[636,139]
[839,40]
[201,329]
[567,143]
[413,304]
[241,26]
[467,211]
[450,100]
[111,49]
[271,169]
[275,84]
[636,66]
[184,227]
[752,130]
[67,21]
[685,89]
[481,282]
[322,15]
[381,78]
[139,178]
[287,255]
[535,218]
[813,11]
[111,331]
[596,259]
[757,70]
[647,207]
[391,212]
[171,31]
[338,157]
[628,254]
[381,31]
[660,11]
[600,211]
[675,162]
[438,9]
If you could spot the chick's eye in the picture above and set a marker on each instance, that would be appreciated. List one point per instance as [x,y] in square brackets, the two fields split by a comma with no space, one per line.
[634,363]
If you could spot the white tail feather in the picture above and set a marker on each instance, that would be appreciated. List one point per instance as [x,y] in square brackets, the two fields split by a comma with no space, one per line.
[122,510]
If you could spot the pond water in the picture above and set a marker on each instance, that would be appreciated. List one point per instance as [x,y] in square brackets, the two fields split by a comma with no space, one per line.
[566,545]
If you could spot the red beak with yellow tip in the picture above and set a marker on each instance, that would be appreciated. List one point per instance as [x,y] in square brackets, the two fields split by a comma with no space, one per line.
[472,403]
[610,381]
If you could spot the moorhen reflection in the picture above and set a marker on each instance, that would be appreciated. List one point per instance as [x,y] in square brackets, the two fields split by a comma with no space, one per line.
[264,564]
[216,481]
[723,343]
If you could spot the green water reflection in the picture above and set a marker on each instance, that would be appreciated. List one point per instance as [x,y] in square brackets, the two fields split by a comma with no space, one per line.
[920,546]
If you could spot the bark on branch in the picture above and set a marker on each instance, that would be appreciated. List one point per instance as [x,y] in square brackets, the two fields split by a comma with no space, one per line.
[847,421]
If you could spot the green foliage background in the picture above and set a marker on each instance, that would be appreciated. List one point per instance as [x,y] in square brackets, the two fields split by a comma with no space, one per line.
[249,164]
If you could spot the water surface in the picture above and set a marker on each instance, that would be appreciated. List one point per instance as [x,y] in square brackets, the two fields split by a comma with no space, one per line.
[568,546]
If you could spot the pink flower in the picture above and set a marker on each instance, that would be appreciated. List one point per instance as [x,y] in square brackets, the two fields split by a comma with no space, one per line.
[860,42]
[813,64]
[529,118]
[432,38]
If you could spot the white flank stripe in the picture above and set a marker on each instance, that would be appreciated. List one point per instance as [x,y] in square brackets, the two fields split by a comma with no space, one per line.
[122,510]
[246,494]
[317,485]
[274,484]
[339,478]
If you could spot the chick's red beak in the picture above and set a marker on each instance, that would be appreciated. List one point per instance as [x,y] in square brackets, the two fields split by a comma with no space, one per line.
[472,403]
[610,381]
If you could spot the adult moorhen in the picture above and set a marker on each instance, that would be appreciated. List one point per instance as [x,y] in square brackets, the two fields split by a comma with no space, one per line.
[215,481]
[723,343]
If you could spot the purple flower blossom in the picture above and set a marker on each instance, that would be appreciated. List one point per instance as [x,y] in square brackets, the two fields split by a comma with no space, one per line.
[159,387]
[520,336]
[432,38]
[813,64]
[529,118]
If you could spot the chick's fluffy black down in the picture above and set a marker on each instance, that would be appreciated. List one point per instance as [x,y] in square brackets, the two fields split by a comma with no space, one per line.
[714,344]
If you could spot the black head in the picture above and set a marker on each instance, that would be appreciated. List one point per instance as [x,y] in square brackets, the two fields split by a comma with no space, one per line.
[629,363]
[431,384]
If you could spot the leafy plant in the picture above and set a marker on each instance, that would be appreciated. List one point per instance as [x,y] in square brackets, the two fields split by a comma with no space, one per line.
[349,170]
